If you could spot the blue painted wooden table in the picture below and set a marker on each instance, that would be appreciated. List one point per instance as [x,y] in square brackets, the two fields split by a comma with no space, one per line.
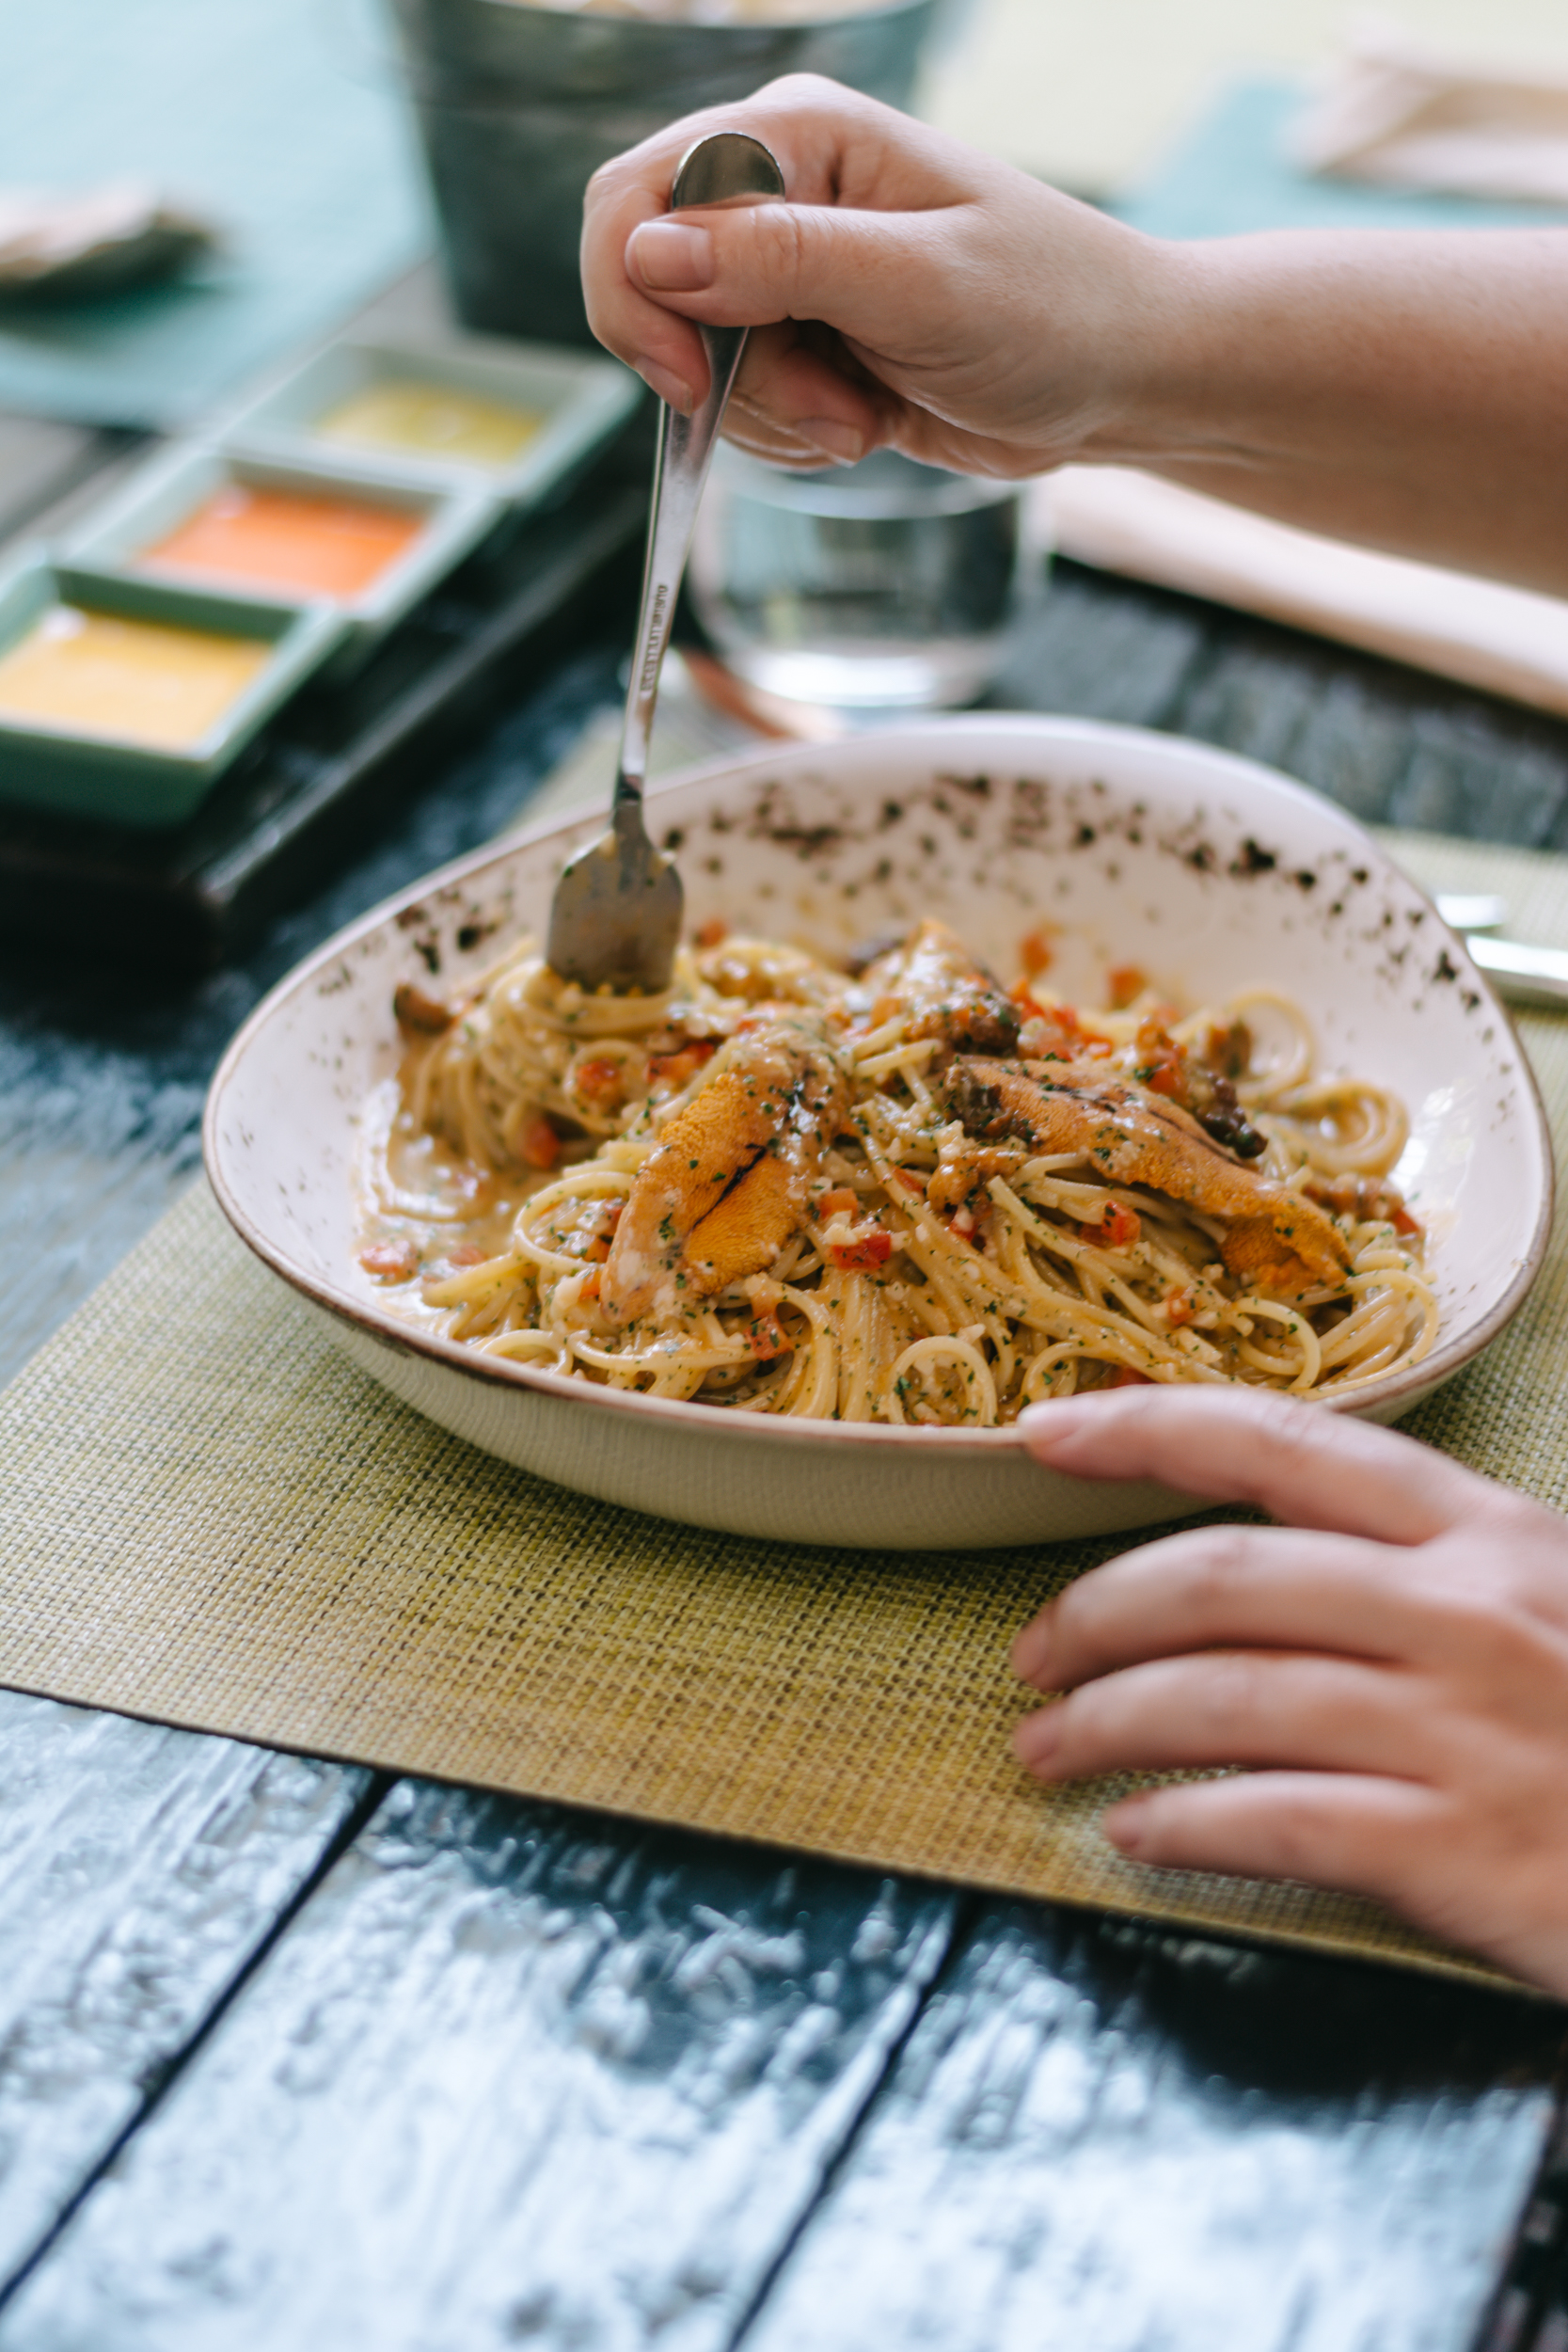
[290,2056]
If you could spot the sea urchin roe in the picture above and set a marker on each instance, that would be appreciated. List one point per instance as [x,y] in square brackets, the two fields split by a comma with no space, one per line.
[431,420]
[144,682]
[732,1175]
[324,547]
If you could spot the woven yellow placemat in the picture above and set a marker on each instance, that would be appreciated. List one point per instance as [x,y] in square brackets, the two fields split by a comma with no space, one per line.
[209,1518]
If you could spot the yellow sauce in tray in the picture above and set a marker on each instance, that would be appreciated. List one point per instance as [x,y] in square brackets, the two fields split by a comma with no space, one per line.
[137,681]
[431,420]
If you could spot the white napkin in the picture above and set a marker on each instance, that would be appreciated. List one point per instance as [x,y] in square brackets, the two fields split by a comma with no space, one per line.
[1507,641]
[1404,114]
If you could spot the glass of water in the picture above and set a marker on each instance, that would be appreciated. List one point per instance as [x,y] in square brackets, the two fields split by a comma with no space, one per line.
[887,584]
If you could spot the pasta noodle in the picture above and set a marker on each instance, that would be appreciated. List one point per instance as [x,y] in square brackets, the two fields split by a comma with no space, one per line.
[887,1194]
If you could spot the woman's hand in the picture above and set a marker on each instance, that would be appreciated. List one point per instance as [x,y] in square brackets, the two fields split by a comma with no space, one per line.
[1392,1663]
[1402,388]
[911,291]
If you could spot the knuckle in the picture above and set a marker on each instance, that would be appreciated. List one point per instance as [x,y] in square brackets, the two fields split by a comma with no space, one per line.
[1295,1433]
[1083,1732]
[1234,1692]
[1306,1836]
[780,242]
[1517,1521]
[806,90]
[1484,1605]
[1223,1563]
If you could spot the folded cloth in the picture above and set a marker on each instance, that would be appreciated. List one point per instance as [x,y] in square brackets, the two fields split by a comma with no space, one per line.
[1507,641]
[1399,113]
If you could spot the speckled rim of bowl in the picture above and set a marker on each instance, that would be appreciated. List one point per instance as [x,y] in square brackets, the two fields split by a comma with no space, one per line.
[1383,1398]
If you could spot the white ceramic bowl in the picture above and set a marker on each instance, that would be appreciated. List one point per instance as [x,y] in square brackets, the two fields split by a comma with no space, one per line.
[1208,871]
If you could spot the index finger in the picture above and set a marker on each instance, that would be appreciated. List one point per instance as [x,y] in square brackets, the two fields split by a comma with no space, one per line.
[1301,1464]
[1225,1588]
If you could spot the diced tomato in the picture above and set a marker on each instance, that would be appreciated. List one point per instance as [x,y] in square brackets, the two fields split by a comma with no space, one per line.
[593,1232]
[591,1288]
[1125,1378]
[906,1177]
[1402,1222]
[1119,1228]
[538,1146]
[601,1082]
[1126,982]
[873,1247]
[390,1261]
[842,1201]
[1053,1032]
[1036,952]
[1180,1307]
[1161,1066]
[767,1338]
[712,934]
[677,1070]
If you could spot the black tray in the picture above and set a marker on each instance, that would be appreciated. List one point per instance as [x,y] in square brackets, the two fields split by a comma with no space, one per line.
[189,898]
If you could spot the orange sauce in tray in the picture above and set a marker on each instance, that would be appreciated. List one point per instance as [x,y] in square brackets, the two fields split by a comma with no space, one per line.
[309,544]
[145,682]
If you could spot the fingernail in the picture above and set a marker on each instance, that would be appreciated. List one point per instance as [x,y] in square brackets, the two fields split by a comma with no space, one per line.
[837,440]
[672,389]
[1031,1649]
[1044,1424]
[1126,1826]
[1037,1737]
[671,256]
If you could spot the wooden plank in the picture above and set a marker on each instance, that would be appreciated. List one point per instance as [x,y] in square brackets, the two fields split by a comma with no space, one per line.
[1101,2136]
[1104,650]
[1394,745]
[513,2077]
[139,1870]
[94,1145]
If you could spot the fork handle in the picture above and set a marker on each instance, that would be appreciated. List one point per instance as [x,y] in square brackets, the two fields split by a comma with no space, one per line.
[680,470]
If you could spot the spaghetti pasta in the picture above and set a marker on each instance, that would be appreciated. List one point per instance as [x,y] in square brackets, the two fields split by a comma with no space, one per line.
[887,1194]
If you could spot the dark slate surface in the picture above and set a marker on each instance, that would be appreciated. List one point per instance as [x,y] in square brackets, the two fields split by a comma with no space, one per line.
[513,2077]
[1172,2142]
[142,1871]
[505,2076]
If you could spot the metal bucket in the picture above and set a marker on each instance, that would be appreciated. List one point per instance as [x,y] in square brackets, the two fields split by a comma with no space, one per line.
[520,105]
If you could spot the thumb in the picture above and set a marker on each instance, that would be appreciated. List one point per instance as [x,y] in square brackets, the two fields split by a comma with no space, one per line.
[753,264]
[871,275]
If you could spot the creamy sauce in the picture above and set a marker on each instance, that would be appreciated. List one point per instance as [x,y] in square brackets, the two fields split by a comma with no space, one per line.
[138,682]
[431,420]
[326,547]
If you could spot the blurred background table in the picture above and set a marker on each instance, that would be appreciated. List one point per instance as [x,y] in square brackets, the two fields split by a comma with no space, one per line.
[290,2055]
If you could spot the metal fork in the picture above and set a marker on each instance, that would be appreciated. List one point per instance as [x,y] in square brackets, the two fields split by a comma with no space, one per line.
[616,915]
